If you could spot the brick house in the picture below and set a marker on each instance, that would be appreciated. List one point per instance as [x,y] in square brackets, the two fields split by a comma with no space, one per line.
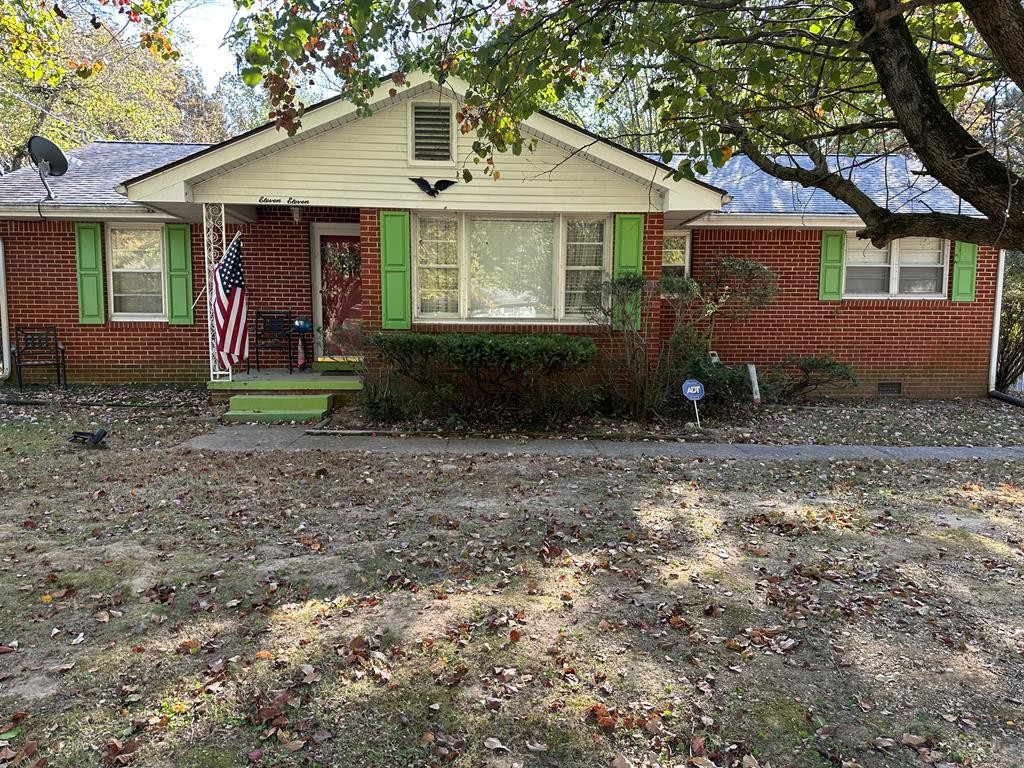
[119,260]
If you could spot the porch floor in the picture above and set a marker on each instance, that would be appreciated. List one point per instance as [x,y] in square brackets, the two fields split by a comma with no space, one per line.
[279,380]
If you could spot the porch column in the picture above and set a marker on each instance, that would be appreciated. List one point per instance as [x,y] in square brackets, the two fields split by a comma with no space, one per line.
[215,243]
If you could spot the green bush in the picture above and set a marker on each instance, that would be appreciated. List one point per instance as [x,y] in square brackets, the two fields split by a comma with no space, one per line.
[728,386]
[486,376]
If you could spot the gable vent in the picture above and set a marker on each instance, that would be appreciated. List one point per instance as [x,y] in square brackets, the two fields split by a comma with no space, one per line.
[890,388]
[432,132]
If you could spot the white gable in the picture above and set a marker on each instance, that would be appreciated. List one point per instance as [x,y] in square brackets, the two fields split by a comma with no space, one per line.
[340,159]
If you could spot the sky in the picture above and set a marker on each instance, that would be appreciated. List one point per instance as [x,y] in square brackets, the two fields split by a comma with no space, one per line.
[206,23]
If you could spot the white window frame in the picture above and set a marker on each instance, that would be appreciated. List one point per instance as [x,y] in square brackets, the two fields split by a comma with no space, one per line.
[558,267]
[136,317]
[894,274]
[687,235]
[411,139]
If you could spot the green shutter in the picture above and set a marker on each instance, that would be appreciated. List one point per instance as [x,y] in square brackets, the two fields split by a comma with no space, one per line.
[965,270]
[395,282]
[178,250]
[629,253]
[830,279]
[89,263]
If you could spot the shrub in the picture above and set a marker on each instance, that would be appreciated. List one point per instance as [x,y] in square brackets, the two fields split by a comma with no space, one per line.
[798,377]
[648,371]
[486,376]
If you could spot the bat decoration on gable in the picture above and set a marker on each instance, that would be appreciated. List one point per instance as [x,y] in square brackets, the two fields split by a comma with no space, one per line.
[434,189]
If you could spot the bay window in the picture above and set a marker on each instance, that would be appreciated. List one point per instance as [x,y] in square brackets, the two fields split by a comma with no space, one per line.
[136,272]
[908,267]
[509,268]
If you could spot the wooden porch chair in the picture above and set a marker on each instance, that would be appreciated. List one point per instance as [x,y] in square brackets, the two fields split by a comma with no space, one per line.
[39,346]
[273,331]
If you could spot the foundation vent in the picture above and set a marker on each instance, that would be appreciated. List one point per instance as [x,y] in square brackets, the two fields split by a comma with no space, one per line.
[890,388]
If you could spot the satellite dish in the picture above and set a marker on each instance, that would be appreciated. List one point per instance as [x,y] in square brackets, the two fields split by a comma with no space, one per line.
[49,160]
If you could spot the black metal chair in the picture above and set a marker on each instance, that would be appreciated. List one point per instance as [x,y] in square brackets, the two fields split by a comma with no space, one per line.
[273,331]
[39,346]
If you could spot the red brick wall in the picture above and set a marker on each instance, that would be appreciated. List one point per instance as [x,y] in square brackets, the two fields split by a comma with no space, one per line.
[935,347]
[42,290]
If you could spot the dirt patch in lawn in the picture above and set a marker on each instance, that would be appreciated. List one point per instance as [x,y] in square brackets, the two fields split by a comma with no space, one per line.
[161,606]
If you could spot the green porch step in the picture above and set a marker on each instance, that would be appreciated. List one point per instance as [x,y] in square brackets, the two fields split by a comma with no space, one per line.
[289,383]
[267,408]
[343,364]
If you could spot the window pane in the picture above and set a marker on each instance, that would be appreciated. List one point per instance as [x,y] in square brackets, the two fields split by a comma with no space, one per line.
[863,252]
[867,281]
[438,241]
[137,282]
[673,270]
[438,291]
[584,243]
[135,249]
[511,268]
[921,250]
[582,291]
[920,279]
[674,253]
[138,305]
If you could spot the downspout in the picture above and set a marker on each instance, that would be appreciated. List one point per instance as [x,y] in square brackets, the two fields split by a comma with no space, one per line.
[994,356]
[3,316]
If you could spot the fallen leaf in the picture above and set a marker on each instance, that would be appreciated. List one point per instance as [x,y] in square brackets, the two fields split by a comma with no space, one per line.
[621,761]
[536,746]
[495,744]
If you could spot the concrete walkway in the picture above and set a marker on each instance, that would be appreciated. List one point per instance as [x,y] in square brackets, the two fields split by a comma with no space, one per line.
[253,437]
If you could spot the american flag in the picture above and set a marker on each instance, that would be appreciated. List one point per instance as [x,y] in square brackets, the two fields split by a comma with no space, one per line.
[230,313]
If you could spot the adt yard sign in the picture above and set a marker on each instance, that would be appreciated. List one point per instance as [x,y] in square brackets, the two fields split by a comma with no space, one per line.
[693,391]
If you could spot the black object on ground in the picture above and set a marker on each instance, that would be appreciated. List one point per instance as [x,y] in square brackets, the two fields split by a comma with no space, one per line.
[91,439]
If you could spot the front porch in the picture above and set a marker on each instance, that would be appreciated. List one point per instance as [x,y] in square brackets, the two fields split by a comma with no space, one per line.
[278,380]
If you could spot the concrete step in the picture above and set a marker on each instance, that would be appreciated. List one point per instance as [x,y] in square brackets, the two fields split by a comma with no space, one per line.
[303,402]
[267,417]
[269,408]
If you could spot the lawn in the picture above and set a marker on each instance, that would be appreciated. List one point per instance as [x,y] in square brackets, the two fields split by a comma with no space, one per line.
[166,607]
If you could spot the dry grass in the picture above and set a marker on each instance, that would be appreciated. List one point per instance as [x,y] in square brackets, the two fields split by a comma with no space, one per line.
[319,609]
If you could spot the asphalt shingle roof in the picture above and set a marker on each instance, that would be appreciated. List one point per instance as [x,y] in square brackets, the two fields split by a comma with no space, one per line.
[105,164]
[892,181]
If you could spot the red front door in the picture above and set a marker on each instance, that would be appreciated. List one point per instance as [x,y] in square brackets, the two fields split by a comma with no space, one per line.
[340,295]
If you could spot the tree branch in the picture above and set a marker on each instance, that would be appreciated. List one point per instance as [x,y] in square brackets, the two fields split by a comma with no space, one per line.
[945,148]
[1001,24]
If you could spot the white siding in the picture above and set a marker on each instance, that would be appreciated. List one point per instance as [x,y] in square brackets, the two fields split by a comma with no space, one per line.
[366,163]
